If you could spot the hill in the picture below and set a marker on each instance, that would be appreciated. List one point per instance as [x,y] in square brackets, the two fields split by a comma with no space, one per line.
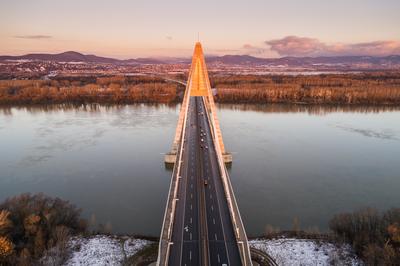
[339,61]
[72,56]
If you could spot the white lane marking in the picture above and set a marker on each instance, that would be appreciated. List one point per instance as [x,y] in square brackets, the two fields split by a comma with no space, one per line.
[191,195]
[219,260]
[191,186]
[191,220]
[212,207]
[191,206]
[213,221]
[190,255]
[215,235]
[190,236]
[210,196]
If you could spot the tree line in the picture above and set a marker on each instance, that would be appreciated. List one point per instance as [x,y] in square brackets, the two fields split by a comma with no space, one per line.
[377,88]
[117,89]
[365,88]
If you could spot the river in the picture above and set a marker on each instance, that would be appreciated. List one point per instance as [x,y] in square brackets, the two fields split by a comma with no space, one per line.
[308,162]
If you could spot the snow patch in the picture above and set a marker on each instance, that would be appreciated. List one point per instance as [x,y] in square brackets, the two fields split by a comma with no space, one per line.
[291,251]
[132,246]
[103,250]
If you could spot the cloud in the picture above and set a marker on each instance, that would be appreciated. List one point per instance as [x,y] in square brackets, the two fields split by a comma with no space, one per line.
[304,46]
[248,46]
[370,48]
[169,38]
[225,51]
[33,37]
[253,50]
[296,46]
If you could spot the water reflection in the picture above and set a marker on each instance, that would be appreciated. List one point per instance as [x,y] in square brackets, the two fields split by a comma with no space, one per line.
[93,107]
[313,109]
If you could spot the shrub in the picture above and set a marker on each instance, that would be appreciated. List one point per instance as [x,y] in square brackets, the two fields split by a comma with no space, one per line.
[30,225]
[374,235]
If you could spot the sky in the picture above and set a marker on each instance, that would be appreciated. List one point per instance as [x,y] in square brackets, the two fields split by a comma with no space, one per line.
[169,28]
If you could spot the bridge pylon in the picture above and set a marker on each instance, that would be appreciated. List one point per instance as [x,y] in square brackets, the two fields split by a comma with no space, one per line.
[198,84]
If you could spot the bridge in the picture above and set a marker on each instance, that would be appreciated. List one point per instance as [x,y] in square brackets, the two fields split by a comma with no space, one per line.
[202,224]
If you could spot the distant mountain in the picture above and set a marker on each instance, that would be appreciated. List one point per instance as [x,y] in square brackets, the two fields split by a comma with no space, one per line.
[142,61]
[62,57]
[304,61]
[236,60]
[71,56]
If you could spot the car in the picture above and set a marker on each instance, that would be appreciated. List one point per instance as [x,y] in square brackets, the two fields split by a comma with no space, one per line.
[205,182]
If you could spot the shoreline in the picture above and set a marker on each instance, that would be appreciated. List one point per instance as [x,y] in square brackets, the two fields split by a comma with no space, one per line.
[367,88]
[129,250]
[176,103]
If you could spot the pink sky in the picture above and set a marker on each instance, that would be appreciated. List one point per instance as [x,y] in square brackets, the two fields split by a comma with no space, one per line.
[151,28]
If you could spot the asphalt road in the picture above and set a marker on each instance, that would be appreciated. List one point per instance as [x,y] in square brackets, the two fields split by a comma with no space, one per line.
[202,231]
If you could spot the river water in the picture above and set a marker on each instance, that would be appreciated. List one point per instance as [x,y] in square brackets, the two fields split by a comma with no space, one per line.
[308,162]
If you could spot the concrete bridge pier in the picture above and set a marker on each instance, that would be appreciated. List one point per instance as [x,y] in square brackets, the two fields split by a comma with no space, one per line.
[170,158]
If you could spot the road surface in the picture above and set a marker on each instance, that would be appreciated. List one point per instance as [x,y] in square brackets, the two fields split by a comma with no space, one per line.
[202,231]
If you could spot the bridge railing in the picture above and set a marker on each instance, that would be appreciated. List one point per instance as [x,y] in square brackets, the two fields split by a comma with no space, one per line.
[168,221]
[236,218]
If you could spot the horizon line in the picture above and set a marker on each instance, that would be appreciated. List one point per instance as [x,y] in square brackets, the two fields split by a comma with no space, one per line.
[188,57]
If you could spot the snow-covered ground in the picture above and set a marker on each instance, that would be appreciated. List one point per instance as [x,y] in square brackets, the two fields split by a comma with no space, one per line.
[109,250]
[291,251]
[103,250]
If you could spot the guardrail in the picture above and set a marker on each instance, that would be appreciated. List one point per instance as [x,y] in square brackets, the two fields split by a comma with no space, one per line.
[171,203]
[232,204]
[167,227]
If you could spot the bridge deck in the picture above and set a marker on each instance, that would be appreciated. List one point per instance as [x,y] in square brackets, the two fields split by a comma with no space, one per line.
[202,231]
[202,223]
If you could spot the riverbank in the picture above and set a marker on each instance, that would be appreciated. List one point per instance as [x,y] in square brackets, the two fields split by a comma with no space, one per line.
[298,251]
[360,88]
[125,250]
[376,88]
[104,249]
